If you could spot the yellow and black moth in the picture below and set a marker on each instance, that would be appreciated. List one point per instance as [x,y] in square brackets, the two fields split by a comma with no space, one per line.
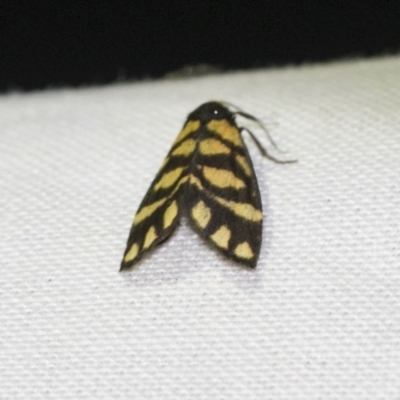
[207,175]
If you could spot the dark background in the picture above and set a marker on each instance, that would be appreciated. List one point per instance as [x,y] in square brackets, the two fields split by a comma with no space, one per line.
[49,43]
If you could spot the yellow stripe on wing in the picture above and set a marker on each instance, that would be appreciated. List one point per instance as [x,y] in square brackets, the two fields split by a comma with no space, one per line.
[226,131]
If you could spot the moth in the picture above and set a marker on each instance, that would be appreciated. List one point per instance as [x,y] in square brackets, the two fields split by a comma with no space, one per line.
[208,176]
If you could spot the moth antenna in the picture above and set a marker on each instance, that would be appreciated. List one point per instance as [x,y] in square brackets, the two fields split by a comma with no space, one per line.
[246,115]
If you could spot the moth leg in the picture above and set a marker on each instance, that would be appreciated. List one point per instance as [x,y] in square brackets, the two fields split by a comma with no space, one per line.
[263,151]
[261,125]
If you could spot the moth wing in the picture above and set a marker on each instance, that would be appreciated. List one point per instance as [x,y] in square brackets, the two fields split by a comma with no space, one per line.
[223,200]
[159,212]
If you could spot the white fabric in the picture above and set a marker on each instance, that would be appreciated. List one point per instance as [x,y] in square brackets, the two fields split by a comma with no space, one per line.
[318,319]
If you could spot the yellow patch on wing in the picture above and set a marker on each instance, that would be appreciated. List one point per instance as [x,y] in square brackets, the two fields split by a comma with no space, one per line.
[221,237]
[185,148]
[151,236]
[209,147]
[170,213]
[222,178]
[169,178]
[244,210]
[182,181]
[189,128]
[146,211]
[196,181]
[241,160]
[201,214]
[132,253]
[226,131]
[243,250]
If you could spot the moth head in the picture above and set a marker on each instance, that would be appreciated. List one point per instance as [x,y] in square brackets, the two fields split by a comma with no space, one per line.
[211,111]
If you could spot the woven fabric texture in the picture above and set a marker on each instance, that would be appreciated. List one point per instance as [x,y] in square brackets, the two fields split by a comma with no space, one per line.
[318,319]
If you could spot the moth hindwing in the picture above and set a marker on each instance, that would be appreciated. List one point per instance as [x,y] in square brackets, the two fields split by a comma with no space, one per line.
[208,175]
